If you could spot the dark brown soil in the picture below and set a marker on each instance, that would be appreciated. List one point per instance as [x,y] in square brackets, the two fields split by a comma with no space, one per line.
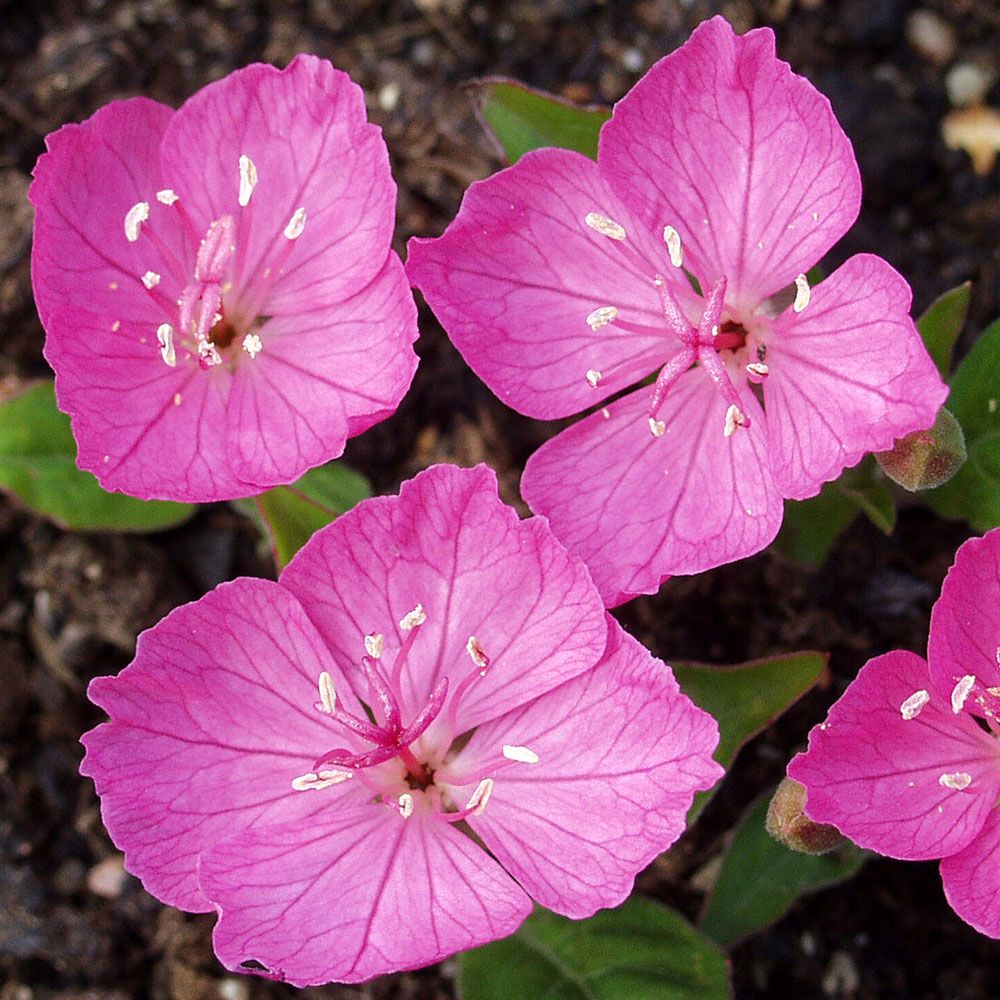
[71,927]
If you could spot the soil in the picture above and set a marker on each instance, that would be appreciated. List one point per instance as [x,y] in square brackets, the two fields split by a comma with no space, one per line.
[73,926]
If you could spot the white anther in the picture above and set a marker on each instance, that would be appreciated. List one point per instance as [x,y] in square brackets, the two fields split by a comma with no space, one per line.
[252,345]
[734,419]
[601,317]
[914,705]
[802,293]
[520,754]
[327,694]
[815,216]
[593,377]
[958,781]
[311,781]
[605,226]
[479,798]
[606,413]
[151,279]
[165,338]
[116,326]
[296,224]
[208,353]
[757,371]
[167,196]
[134,218]
[178,399]
[413,618]
[476,653]
[406,805]
[657,427]
[961,691]
[248,180]
[374,644]
[673,240]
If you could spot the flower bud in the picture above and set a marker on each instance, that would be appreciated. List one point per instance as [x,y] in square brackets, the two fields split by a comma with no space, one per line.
[925,459]
[788,823]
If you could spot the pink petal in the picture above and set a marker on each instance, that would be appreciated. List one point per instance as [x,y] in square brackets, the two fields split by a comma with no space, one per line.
[517,273]
[877,776]
[322,376]
[742,157]
[209,725]
[447,542]
[638,508]
[848,375]
[577,826]
[355,893]
[972,879]
[305,130]
[965,625]
[84,186]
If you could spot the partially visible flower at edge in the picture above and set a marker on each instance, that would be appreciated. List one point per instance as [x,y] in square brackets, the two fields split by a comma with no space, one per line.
[907,762]
[308,757]
[564,282]
[221,304]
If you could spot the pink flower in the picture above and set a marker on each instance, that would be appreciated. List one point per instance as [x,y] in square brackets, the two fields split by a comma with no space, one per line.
[304,756]
[221,304]
[908,760]
[563,282]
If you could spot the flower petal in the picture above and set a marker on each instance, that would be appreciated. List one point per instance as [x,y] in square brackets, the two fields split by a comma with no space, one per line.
[306,133]
[965,625]
[638,508]
[448,543]
[516,275]
[209,725]
[577,826]
[888,768]
[848,375]
[741,156]
[972,879]
[320,377]
[355,893]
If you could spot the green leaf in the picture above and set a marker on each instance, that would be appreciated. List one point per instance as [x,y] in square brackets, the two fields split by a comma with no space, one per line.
[292,514]
[38,465]
[941,324]
[760,879]
[640,951]
[520,118]
[745,699]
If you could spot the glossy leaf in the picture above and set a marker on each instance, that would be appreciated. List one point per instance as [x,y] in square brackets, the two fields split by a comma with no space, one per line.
[639,951]
[38,465]
[760,879]
[942,323]
[520,118]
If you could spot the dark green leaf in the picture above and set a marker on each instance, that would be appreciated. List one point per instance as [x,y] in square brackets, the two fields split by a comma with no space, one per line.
[520,118]
[640,951]
[868,487]
[810,527]
[291,514]
[760,879]
[38,465]
[943,322]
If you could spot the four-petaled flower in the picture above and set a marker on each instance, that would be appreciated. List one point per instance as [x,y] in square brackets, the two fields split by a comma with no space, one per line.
[908,761]
[309,757]
[564,282]
[221,303]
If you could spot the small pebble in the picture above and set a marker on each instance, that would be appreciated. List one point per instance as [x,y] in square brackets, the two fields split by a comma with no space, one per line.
[931,36]
[388,96]
[966,84]
[107,878]
[841,978]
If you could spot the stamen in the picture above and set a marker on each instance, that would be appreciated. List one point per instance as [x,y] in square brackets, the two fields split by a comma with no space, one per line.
[150,279]
[802,293]
[208,354]
[480,797]
[296,224]
[327,694]
[374,645]
[961,691]
[657,427]
[134,218]
[248,180]
[413,618]
[252,345]
[757,372]
[313,781]
[165,338]
[914,705]
[593,377]
[605,226]
[520,754]
[958,781]
[734,419]
[601,317]
[406,805]
[475,650]
[673,240]
[167,196]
